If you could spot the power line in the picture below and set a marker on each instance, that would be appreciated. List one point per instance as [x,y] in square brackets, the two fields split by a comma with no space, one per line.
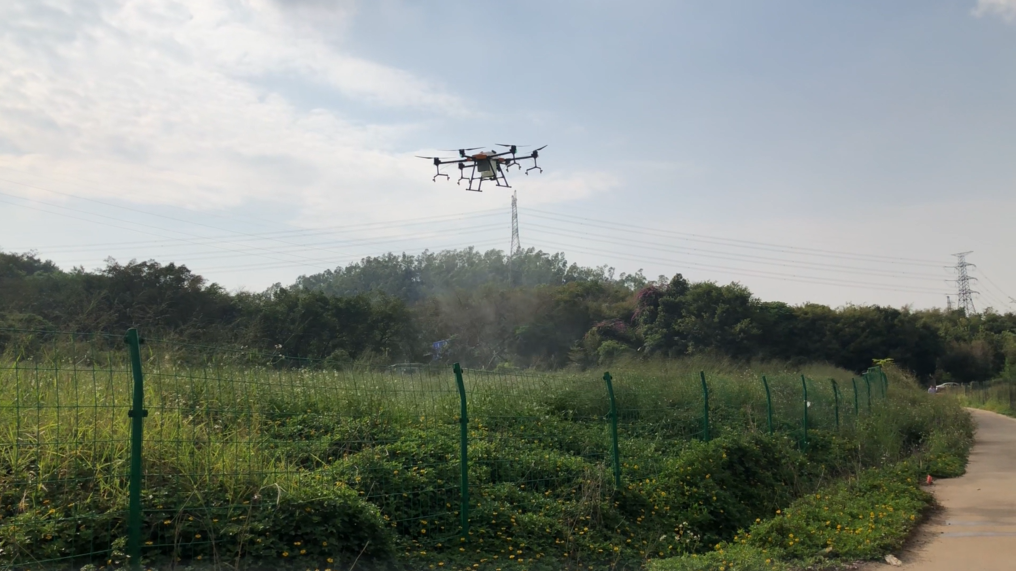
[309,261]
[106,224]
[743,272]
[995,301]
[337,261]
[78,182]
[245,234]
[301,233]
[733,256]
[480,229]
[997,289]
[735,243]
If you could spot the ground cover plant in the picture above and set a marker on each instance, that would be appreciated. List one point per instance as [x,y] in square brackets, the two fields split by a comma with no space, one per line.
[864,515]
[254,462]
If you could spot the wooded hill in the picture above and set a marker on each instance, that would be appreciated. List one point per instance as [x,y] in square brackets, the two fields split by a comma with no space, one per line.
[534,310]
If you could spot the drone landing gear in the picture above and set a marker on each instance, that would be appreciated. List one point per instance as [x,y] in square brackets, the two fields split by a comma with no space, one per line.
[462,176]
[439,175]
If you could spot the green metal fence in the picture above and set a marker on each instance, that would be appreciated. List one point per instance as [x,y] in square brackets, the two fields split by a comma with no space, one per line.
[998,395]
[119,451]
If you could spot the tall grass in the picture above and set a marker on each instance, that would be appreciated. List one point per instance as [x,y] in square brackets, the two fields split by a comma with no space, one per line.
[997,396]
[243,451]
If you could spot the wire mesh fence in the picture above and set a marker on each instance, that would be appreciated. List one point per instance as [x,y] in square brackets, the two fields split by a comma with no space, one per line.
[63,447]
[998,395]
[117,452]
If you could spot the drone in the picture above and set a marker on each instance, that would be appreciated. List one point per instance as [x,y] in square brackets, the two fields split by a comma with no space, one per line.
[483,166]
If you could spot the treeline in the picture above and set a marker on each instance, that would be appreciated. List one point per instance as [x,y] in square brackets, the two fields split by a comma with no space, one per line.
[485,309]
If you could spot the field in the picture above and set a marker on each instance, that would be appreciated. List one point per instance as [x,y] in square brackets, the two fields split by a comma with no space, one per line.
[254,461]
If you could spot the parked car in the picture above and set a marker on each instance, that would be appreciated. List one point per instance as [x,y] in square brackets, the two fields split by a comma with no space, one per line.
[947,387]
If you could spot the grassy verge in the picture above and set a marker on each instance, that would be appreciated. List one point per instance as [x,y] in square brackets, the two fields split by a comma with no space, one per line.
[997,396]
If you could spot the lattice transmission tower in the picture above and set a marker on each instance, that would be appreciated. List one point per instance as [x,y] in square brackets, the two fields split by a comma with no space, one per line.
[516,243]
[964,295]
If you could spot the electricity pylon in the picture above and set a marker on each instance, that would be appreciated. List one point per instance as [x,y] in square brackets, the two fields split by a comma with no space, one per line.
[516,246]
[964,295]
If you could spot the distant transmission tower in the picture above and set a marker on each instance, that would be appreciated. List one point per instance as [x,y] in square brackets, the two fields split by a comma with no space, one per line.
[948,303]
[516,243]
[964,295]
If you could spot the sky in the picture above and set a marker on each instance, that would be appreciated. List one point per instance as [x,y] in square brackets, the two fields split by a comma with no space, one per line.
[835,153]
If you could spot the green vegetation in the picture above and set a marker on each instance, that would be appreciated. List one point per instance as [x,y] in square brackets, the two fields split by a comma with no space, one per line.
[997,396]
[556,315]
[861,518]
[865,515]
[256,461]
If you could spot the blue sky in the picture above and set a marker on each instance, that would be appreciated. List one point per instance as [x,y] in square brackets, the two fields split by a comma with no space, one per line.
[828,152]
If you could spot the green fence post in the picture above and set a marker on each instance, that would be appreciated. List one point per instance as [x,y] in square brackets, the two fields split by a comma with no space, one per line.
[613,430]
[857,410]
[705,407]
[836,401]
[769,404]
[804,384]
[136,414]
[463,455]
[867,385]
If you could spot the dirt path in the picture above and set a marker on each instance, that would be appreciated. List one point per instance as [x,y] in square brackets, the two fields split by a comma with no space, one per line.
[976,529]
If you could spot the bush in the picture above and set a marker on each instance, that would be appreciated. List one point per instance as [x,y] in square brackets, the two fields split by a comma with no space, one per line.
[317,525]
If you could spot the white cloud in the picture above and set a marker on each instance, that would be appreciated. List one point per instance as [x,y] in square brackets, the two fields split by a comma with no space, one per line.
[1006,9]
[158,102]
[165,103]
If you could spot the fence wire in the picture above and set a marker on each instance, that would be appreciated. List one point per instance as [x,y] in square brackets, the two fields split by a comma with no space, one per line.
[248,456]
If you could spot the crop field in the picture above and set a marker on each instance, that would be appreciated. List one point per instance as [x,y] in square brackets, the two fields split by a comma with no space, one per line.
[247,460]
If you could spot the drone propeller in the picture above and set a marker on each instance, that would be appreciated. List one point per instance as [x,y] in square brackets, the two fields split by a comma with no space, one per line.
[462,152]
[509,146]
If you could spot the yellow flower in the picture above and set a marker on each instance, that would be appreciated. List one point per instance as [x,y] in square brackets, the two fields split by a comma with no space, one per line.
[285,554]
